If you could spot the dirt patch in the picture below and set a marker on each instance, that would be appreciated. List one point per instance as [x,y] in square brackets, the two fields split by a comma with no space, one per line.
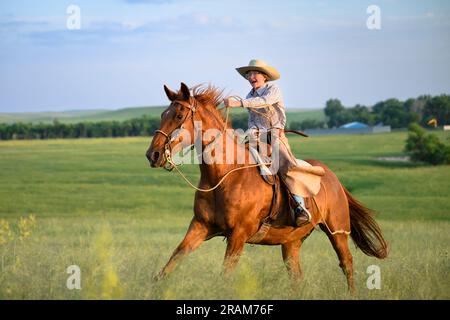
[395,159]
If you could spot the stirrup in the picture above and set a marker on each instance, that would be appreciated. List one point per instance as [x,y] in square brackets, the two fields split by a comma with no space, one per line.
[302,216]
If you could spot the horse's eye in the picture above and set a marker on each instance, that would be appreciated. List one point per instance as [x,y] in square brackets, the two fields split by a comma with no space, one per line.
[179,117]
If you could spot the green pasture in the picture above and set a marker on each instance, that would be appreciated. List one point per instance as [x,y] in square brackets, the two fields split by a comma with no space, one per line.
[97,204]
[300,115]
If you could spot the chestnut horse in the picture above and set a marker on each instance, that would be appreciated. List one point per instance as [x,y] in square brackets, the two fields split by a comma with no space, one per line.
[238,204]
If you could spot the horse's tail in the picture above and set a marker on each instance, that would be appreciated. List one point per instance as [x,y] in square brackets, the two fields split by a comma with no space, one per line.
[365,231]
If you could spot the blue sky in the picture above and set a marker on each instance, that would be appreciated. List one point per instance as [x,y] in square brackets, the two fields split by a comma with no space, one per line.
[127,49]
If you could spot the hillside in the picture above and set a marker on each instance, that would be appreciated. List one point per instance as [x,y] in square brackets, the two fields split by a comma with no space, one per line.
[75,116]
[80,115]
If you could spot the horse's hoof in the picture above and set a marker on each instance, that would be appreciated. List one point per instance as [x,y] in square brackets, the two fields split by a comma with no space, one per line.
[159,276]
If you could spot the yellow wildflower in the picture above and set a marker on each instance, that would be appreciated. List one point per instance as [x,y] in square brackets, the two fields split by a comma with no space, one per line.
[6,234]
[26,226]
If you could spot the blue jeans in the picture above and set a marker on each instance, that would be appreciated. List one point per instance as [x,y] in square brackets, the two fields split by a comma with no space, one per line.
[299,200]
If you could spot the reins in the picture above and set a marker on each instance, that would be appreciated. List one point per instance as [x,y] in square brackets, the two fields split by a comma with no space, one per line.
[220,181]
[324,222]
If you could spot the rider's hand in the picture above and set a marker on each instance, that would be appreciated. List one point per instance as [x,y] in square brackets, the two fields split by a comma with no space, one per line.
[232,103]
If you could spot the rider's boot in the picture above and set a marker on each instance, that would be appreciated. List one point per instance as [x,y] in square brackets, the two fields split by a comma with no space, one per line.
[302,215]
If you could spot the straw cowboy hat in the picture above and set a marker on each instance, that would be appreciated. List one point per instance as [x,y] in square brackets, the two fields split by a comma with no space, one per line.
[261,66]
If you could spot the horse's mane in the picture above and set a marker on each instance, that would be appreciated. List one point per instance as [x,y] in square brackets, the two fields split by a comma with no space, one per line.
[209,97]
[207,94]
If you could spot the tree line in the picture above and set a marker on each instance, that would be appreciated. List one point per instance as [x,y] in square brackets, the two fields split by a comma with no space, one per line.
[143,126]
[397,114]
[392,112]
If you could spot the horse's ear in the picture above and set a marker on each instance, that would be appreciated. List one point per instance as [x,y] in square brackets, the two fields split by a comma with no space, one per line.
[170,94]
[186,93]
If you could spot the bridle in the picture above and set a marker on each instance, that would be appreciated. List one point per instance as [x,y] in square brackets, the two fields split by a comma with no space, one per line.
[169,139]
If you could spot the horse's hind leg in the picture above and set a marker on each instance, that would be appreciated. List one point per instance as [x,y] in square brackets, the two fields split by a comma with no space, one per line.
[340,245]
[290,253]
[194,237]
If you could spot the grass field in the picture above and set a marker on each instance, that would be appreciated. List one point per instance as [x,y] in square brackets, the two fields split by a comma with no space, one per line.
[98,205]
[128,113]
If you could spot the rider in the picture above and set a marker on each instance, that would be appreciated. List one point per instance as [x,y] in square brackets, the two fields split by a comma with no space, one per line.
[267,114]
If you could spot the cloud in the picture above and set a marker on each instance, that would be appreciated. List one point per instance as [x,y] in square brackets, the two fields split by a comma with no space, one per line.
[97,33]
[12,30]
[429,16]
[183,27]
[17,25]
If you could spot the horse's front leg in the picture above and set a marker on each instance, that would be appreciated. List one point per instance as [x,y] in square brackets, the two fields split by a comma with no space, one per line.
[235,246]
[194,237]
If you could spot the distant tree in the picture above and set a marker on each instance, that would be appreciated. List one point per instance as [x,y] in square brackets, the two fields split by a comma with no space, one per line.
[391,112]
[307,124]
[334,110]
[437,107]
[426,147]
[416,106]
[80,130]
[361,114]
[151,125]
[240,121]
[414,109]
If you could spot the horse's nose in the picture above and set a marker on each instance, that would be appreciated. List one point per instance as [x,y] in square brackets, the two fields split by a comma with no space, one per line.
[152,157]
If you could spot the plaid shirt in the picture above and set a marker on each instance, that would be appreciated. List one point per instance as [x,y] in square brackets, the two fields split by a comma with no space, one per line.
[267,100]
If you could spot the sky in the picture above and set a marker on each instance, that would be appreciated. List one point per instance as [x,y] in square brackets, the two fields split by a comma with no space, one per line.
[126,50]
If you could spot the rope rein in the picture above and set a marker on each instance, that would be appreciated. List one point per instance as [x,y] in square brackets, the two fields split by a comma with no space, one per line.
[221,180]
[325,223]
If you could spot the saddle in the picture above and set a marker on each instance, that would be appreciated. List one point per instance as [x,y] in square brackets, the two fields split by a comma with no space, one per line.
[278,186]
[268,222]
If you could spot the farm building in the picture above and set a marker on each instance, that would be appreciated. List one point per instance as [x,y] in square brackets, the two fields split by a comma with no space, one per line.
[354,125]
[350,128]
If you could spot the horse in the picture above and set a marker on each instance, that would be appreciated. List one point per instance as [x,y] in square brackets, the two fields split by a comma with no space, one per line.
[232,200]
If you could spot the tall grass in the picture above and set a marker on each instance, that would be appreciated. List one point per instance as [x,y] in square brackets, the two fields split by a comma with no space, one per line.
[98,205]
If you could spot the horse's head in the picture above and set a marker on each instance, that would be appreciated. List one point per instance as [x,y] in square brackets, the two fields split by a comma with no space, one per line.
[176,130]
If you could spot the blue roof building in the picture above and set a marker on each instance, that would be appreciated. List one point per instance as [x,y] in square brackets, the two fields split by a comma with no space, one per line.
[354,125]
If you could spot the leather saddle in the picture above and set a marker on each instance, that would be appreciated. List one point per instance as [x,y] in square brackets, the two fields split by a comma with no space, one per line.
[273,179]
